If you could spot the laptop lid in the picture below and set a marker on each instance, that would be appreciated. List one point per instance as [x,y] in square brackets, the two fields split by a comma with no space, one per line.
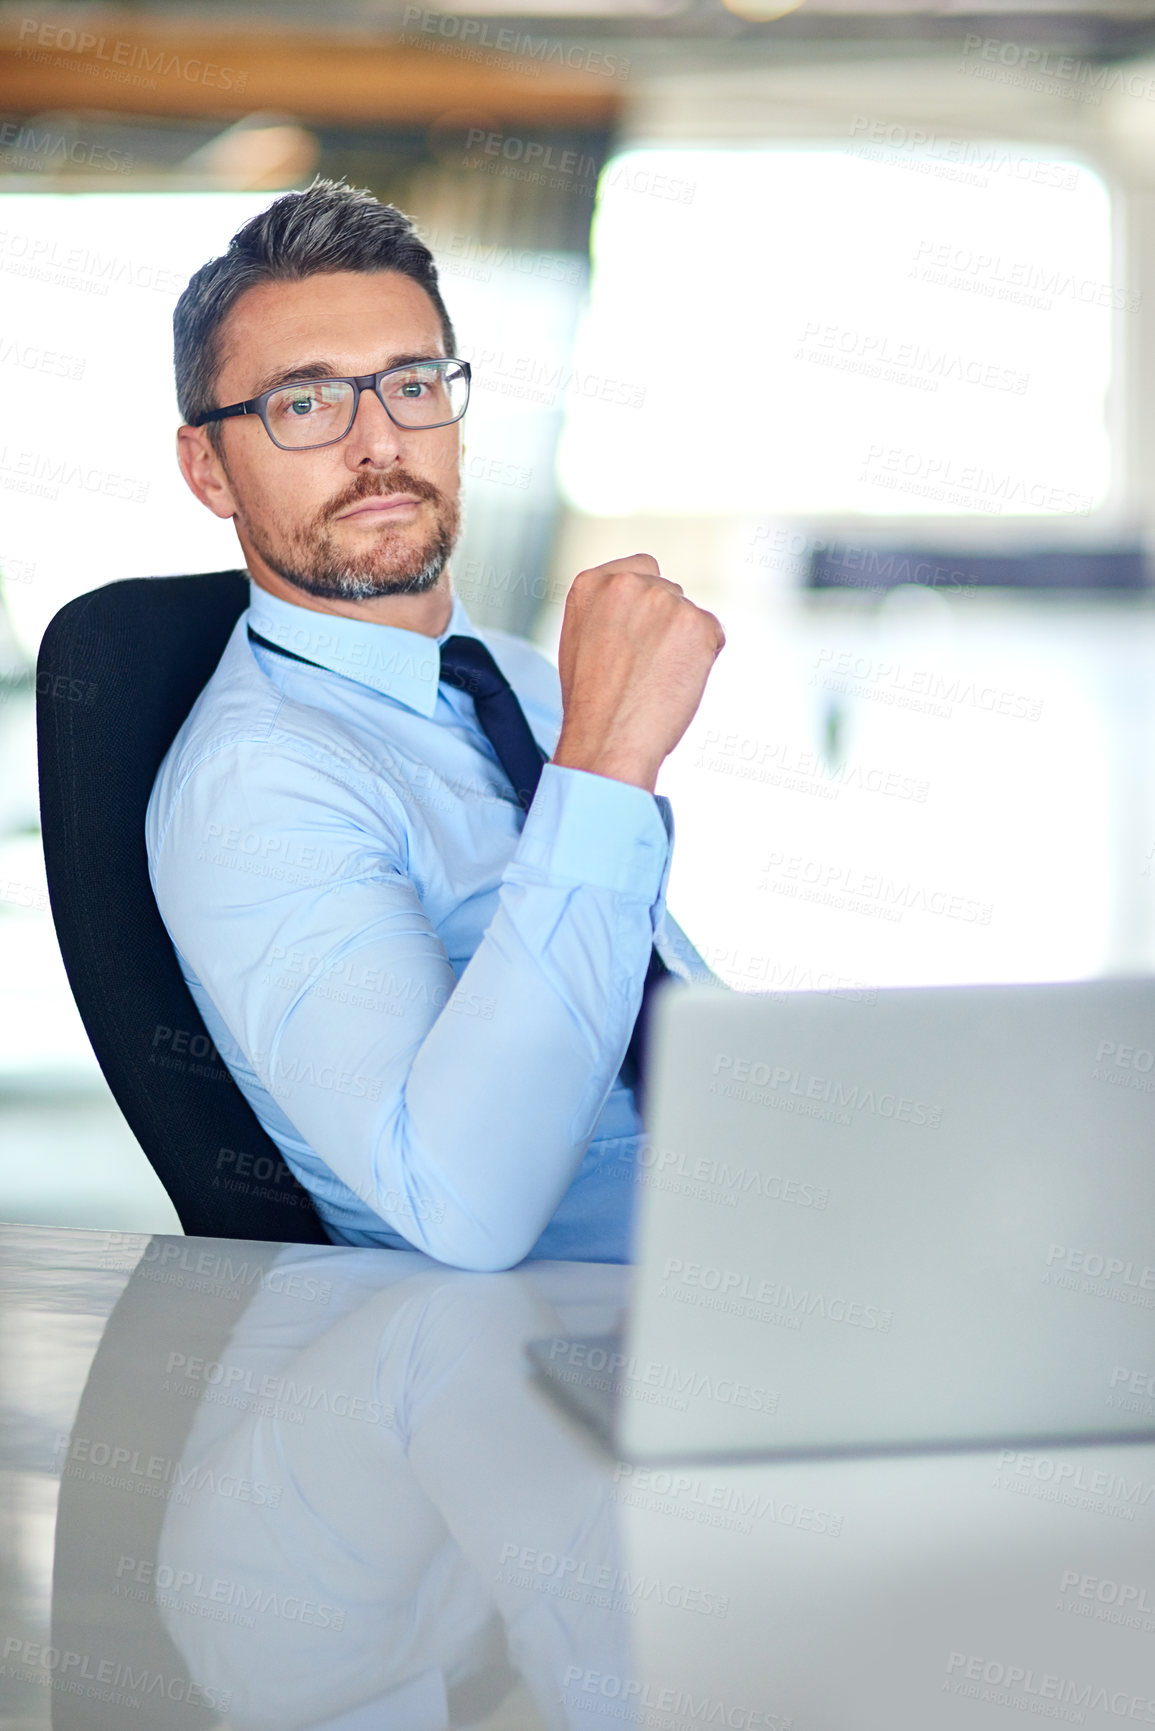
[923,1217]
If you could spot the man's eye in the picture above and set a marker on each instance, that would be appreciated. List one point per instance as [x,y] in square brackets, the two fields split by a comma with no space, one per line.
[307,402]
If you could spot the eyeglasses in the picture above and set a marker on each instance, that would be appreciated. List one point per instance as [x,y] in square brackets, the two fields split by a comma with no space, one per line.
[316,412]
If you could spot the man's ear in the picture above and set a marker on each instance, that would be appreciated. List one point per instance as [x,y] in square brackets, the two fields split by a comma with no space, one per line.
[204,471]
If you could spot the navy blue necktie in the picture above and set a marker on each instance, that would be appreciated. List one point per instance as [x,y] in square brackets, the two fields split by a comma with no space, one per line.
[467,663]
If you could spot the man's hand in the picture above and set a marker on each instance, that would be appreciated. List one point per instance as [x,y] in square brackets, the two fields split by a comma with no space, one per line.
[634,658]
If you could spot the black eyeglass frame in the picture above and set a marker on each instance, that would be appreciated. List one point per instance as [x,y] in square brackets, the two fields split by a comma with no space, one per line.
[361,382]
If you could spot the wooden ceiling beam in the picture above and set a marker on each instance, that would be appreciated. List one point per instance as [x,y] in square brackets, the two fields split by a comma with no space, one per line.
[441,63]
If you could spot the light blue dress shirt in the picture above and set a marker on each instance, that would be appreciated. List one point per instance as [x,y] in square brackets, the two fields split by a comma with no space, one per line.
[424,993]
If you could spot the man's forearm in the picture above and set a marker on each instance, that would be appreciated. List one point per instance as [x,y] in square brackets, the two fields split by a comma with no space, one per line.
[481,1121]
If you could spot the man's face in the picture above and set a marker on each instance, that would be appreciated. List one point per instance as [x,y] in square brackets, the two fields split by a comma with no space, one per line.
[376,514]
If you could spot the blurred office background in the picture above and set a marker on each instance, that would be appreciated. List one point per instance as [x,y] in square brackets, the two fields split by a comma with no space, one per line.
[843,310]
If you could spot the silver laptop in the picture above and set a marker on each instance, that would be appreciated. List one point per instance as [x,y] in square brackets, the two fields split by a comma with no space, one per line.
[919,1218]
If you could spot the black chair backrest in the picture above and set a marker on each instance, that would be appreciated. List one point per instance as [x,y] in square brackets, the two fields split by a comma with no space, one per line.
[119,669]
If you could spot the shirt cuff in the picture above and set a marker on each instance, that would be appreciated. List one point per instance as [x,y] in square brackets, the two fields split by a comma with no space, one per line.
[590,829]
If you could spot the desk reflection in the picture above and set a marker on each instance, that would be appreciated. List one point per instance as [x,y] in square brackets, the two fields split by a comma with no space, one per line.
[374,1519]
[311,1488]
[400,1570]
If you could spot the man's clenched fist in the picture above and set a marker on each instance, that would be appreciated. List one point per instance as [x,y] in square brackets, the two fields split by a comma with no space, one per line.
[634,658]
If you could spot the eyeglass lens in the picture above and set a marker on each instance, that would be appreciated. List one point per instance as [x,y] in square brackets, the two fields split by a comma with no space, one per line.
[426,394]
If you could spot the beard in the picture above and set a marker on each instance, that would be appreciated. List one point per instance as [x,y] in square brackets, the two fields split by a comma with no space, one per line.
[310,559]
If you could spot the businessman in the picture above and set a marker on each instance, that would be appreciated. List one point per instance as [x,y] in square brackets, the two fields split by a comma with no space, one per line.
[414,874]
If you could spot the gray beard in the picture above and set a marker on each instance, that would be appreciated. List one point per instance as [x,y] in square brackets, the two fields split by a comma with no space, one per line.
[311,561]
[330,580]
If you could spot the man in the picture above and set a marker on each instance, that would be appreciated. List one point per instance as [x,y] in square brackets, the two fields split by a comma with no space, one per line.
[425,990]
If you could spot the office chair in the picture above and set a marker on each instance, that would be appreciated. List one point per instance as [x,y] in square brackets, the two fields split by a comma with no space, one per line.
[118,671]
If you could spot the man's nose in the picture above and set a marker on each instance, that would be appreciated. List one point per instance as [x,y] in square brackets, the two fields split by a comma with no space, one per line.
[373,438]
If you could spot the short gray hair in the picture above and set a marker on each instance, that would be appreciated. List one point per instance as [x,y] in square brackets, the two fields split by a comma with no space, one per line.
[328,227]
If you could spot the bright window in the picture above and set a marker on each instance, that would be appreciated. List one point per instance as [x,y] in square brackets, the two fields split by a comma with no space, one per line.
[873,329]
[90,483]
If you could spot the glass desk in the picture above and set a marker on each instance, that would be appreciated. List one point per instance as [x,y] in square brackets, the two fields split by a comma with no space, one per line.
[250,1485]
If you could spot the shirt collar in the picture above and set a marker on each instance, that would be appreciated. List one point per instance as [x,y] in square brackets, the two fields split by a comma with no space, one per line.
[405,665]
